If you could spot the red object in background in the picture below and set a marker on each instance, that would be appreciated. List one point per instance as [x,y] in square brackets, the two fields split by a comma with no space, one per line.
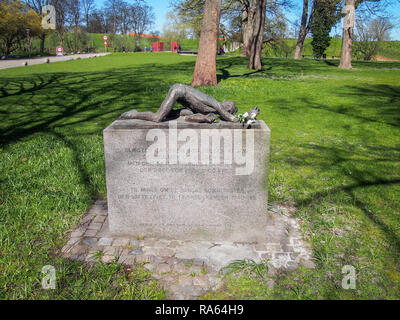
[105,37]
[174,46]
[157,46]
[59,51]
[105,43]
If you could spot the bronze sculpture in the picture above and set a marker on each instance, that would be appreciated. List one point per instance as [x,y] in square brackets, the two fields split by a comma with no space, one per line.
[197,107]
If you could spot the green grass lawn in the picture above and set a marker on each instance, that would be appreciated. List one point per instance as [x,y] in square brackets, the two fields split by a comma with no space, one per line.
[335,153]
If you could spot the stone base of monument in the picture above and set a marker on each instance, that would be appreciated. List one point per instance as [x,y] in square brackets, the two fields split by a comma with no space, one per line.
[188,268]
[187,181]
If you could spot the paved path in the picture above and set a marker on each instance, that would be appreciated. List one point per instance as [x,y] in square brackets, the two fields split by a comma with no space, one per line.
[4,64]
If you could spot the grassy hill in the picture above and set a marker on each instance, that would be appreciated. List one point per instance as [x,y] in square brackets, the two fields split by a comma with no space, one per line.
[333,49]
[389,49]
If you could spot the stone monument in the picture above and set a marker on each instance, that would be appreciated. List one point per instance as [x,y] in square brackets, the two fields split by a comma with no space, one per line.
[188,179]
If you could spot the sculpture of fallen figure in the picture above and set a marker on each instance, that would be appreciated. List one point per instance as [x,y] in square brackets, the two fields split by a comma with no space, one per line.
[197,107]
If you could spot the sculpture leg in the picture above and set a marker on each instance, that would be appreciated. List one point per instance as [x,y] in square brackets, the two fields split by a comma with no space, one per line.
[202,118]
[134,114]
[175,114]
[185,112]
[176,92]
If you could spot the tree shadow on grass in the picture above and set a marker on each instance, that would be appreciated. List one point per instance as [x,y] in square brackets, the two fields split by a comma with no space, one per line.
[376,103]
[373,165]
[385,99]
[331,63]
[226,74]
[343,159]
[80,103]
[283,67]
[41,102]
[83,173]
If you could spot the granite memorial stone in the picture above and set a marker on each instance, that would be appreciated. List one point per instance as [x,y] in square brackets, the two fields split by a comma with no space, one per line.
[187,180]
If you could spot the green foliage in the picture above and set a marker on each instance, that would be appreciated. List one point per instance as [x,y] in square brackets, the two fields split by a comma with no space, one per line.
[280,48]
[248,266]
[320,41]
[370,36]
[390,49]
[190,15]
[78,41]
[15,19]
[325,16]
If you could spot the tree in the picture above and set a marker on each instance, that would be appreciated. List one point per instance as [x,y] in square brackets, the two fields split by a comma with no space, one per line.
[190,14]
[231,18]
[174,29]
[305,25]
[98,22]
[275,35]
[270,14]
[370,35]
[124,17]
[15,19]
[248,24]
[61,7]
[113,8]
[37,6]
[141,19]
[205,71]
[73,14]
[88,6]
[255,62]
[348,32]
[73,39]
[370,7]
[325,16]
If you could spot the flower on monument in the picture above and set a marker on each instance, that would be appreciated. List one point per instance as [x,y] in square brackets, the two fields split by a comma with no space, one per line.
[241,118]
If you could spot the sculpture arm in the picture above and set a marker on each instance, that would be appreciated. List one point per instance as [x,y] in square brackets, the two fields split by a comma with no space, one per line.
[225,114]
[202,100]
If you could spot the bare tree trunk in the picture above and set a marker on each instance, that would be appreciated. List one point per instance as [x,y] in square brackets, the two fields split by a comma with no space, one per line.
[248,25]
[303,31]
[245,26]
[348,31]
[205,71]
[42,42]
[255,62]
[61,37]
[8,44]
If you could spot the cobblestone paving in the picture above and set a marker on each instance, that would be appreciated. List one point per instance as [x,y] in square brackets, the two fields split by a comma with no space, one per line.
[187,269]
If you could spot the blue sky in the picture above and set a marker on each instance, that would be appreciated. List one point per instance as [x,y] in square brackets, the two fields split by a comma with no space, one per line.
[161,7]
